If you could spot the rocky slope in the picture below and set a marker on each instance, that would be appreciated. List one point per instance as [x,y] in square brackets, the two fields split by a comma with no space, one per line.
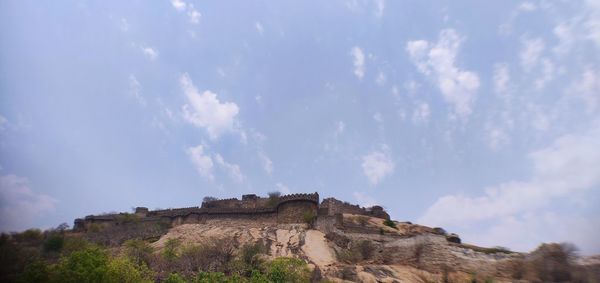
[363,249]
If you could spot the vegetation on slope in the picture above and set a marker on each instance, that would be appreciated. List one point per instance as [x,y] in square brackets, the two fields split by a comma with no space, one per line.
[56,256]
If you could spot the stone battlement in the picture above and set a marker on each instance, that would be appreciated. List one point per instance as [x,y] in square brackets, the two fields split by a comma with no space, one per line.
[290,208]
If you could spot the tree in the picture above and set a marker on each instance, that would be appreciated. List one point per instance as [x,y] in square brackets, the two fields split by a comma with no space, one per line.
[88,265]
[124,270]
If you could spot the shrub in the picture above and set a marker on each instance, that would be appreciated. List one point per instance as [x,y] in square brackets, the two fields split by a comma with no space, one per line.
[390,223]
[139,251]
[54,243]
[286,269]
[89,265]
[309,218]
[175,278]
[170,251]
[36,271]
[124,270]
[216,255]
[551,262]
[273,198]
[31,236]
[249,252]
[72,244]
[211,277]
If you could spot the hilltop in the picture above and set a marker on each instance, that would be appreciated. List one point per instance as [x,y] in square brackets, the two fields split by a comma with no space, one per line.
[310,240]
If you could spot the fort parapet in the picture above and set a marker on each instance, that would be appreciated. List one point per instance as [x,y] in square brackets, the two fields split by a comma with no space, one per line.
[292,208]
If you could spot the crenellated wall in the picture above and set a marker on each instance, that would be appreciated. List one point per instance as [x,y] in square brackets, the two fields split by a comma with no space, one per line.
[332,206]
[290,208]
[284,209]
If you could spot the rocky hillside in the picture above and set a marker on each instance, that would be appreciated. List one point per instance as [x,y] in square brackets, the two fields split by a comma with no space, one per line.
[364,249]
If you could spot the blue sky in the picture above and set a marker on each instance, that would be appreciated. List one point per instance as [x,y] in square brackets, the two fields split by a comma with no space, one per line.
[482,118]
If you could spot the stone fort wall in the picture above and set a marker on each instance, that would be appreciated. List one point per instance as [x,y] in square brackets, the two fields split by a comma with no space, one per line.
[290,208]
[283,209]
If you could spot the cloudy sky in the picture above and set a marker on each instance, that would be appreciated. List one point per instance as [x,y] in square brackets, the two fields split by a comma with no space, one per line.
[480,118]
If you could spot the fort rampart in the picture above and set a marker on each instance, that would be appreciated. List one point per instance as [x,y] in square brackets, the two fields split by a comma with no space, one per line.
[292,208]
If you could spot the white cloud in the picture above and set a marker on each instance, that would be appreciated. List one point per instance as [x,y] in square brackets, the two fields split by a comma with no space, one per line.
[378,117]
[381,79]
[358,61]
[179,5]
[501,79]
[563,170]
[364,200]
[150,52]
[592,23]
[259,28]
[20,205]
[135,90]
[379,8]
[201,161]
[340,128]
[547,75]
[124,25]
[587,88]
[530,53]
[3,123]
[377,165]
[266,162]
[437,61]
[233,170]
[193,15]
[565,34]
[357,6]
[206,111]
[421,113]
[496,136]
[527,7]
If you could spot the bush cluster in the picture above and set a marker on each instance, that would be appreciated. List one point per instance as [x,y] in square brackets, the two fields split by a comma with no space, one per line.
[35,256]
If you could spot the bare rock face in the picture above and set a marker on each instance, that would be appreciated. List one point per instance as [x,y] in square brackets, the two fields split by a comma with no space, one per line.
[361,250]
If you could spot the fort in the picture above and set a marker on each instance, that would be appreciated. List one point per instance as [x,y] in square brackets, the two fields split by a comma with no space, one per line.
[292,208]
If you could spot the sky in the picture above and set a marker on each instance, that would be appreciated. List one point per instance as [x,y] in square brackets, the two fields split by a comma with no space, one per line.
[481,117]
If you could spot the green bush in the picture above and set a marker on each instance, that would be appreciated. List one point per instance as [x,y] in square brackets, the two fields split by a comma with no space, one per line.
[285,269]
[138,250]
[309,218]
[175,278]
[124,270]
[211,277]
[170,251]
[54,243]
[72,244]
[88,265]
[36,271]
[31,236]
[249,252]
[390,223]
